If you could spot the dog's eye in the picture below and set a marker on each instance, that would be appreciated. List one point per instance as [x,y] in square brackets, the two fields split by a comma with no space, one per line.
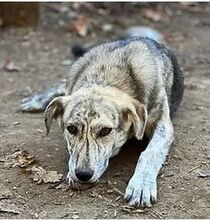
[104,131]
[72,129]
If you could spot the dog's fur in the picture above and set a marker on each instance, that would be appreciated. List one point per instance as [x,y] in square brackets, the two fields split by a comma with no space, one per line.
[132,87]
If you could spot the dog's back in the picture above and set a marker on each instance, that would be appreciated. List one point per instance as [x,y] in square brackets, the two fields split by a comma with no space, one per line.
[139,66]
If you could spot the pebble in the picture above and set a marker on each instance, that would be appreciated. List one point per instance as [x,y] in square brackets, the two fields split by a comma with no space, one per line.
[64,9]
[144,31]
[75,216]
[107,27]
[16,123]
[200,108]
[66,62]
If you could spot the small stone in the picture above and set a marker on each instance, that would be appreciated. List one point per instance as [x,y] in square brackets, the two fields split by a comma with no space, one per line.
[75,216]
[25,44]
[109,191]
[200,108]
[107,27]
[25,38]
[61,23]
[16,123]
[46,48]
[66,62]
[115,213]
[10,66]
[39,130]
[64,9]
[144,31]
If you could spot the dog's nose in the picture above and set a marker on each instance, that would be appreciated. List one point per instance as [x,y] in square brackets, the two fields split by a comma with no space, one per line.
[84,175]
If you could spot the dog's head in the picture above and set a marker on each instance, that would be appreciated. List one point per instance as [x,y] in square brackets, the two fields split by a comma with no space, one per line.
[96,122]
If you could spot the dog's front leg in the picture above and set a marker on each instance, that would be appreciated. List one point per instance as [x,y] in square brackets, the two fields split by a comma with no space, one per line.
[142,187]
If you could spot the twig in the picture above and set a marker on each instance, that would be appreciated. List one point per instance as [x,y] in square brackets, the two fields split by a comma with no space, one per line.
[9,211]
[202,163]
[195,168]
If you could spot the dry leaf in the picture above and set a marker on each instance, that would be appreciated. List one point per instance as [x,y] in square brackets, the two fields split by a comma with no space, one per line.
[19,158]
[151,14]
[24,159]
[155,15]
[41,175]
[191,6]
[10,66]
[80,26]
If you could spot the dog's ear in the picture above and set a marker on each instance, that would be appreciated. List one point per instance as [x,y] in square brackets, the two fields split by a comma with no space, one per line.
[136,116]
[54,110]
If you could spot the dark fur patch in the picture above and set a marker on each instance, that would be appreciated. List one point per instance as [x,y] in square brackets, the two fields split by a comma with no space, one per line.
[87,152]
[92,113]
[77,76]
[177,87]
[78,51]
[152,101]
[102,67]
[139,87]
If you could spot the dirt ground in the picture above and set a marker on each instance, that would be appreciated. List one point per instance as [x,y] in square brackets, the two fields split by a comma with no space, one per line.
[40,52]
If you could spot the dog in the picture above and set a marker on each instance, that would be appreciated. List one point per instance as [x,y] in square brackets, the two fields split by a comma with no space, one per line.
[116,91]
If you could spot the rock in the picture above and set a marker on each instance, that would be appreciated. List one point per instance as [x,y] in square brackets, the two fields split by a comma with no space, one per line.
[107,27]
[10,66]
[66,62]
[143,31]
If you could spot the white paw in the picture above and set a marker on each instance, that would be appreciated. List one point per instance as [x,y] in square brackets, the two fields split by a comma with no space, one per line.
[141,190]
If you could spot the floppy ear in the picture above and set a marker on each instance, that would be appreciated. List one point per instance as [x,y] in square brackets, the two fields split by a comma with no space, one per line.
[136,114]
[53,110]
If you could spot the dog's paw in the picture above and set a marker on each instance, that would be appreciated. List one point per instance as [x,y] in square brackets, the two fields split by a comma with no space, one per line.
[141,191]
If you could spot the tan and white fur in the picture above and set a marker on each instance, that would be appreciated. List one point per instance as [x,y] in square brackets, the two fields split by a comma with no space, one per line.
[115,91]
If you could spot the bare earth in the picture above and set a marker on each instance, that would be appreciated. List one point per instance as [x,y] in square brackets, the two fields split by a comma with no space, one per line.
[39,53]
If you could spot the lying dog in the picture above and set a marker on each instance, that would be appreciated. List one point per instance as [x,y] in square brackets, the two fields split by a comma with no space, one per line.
[116,91]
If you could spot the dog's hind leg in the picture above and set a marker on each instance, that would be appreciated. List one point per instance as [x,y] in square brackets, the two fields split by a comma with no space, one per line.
[142,187]
[38,101]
